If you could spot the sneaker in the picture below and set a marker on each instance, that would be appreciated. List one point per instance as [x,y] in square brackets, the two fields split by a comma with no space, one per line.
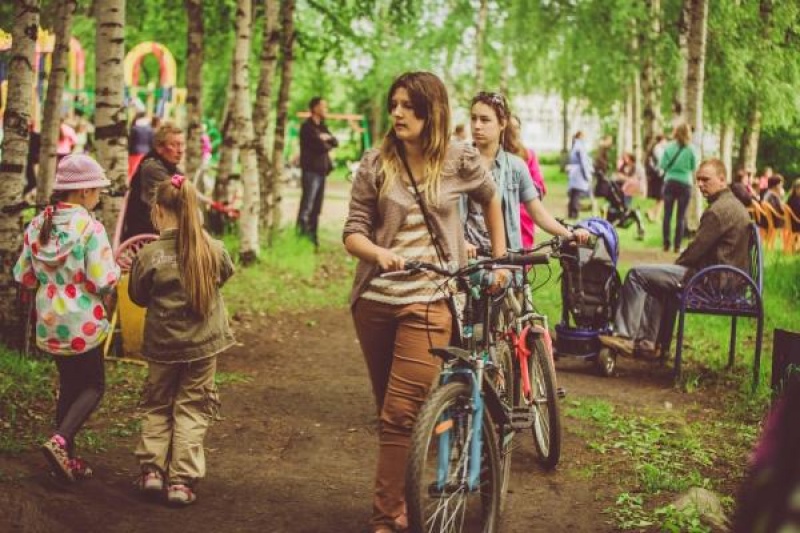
[180,495]
[151,481]
[80,468]
[618,344]
[55,451]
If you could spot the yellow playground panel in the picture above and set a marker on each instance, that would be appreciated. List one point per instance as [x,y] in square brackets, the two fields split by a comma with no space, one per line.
[128,317]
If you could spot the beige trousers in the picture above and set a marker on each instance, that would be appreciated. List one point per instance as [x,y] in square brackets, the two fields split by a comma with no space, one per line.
[178,403]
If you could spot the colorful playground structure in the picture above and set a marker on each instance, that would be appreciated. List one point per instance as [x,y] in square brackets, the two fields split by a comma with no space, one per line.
[164,100]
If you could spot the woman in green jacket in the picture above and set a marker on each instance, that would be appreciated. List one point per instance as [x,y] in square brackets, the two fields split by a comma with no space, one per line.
[679,162]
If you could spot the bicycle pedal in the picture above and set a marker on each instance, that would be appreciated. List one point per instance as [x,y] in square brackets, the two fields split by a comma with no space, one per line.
[561,392]
[521,418]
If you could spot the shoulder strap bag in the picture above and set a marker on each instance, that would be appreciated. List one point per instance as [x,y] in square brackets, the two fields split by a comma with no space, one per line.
[452,304]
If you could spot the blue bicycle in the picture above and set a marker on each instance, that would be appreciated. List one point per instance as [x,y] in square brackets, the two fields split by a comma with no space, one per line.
[456,473]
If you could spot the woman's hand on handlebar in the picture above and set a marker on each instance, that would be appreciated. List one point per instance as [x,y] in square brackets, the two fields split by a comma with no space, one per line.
[581,235]
[472,250]
[501,279]
[389,261]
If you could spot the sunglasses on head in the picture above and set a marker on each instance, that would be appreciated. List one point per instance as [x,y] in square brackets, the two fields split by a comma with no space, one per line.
[494,98]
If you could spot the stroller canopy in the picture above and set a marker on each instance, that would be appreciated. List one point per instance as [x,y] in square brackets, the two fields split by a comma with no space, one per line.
[604,230]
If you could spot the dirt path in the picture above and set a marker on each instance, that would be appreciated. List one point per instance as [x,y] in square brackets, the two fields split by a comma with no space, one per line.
[296,449]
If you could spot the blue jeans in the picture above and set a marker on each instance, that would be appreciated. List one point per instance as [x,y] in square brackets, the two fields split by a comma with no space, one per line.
[675,191]
[311,204]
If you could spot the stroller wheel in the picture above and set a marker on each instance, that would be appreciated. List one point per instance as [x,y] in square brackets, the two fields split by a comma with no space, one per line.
[606,362]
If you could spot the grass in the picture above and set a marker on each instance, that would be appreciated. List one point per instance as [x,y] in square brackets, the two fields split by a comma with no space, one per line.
[291,276]
[656,453]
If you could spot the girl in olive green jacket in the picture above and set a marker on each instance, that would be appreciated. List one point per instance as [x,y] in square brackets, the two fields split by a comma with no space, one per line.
[178,279]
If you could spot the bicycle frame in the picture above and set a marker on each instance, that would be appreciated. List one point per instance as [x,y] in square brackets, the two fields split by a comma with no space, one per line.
[470,366]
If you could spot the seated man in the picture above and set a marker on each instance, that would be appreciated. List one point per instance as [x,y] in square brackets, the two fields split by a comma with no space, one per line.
[722,239]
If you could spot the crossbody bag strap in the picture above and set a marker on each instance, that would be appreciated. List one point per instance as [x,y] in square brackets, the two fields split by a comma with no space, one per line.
[672,161]
[437,245]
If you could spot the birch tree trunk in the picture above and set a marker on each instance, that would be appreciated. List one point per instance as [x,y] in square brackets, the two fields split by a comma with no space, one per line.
[480,43]
[194,86]
[748,145]
[51,116]
[695,78]
[111,126]
[726,138]
[684,26]
[695,74]
[228,150]
[651,83]
[15,152]
[287,49]
[269,59]
[242,125]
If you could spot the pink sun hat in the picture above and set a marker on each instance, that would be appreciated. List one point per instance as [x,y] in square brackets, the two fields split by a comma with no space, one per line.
[79,171]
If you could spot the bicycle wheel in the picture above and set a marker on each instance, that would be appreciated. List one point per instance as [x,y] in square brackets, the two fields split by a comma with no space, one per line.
[546,420]
[444,431]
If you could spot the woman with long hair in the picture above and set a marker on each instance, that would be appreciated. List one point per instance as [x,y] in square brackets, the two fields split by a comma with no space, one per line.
[499,143]
[404,206]
[679,163]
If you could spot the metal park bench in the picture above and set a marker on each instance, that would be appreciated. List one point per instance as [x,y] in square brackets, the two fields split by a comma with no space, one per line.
[727,291]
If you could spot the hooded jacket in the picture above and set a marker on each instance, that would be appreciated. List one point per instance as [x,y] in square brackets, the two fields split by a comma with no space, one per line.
[73,271]
[173,333]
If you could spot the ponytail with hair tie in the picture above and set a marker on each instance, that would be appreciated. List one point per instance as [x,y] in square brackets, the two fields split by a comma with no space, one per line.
[47,225]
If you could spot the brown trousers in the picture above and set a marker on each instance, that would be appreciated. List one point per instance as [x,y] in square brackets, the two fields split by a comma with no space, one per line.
[395,343]
[179,401]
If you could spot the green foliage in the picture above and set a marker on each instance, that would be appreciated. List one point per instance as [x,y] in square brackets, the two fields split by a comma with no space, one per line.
[780,149]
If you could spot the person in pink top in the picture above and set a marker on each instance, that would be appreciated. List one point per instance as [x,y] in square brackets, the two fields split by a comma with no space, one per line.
[529,156]
[206,150]
[67,139]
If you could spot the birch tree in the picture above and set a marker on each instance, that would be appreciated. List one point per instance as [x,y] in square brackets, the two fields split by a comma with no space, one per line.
[695,78]
[15,151]
[194,85]
[261,111]
[242,123]
[287,50]
[480,45]
[51,116]
[111,138]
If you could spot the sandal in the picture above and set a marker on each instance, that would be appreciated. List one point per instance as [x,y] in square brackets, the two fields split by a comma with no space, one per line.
[80,468]
[151,481]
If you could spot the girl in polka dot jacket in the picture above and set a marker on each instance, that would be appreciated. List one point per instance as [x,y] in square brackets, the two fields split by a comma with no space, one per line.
[66,253]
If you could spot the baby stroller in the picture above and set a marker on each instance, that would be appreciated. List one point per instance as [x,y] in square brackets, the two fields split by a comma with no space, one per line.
[590,287]
[619,214]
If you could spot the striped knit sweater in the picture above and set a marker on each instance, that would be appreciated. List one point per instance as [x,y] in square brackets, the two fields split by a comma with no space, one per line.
[412,242]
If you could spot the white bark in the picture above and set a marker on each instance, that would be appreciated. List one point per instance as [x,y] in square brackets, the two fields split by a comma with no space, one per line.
[51,116]
[684,25]
[111,131]
[287,49]
[269,60]
[748,146]
[15,151]
[194,86]
[726,138]
[245,138]
[695,76]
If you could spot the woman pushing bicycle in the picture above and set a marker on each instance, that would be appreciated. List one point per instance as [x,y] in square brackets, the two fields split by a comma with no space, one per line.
[404,206]
[497,143]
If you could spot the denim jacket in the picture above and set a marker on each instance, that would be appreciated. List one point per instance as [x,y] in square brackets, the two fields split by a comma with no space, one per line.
[513,180]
